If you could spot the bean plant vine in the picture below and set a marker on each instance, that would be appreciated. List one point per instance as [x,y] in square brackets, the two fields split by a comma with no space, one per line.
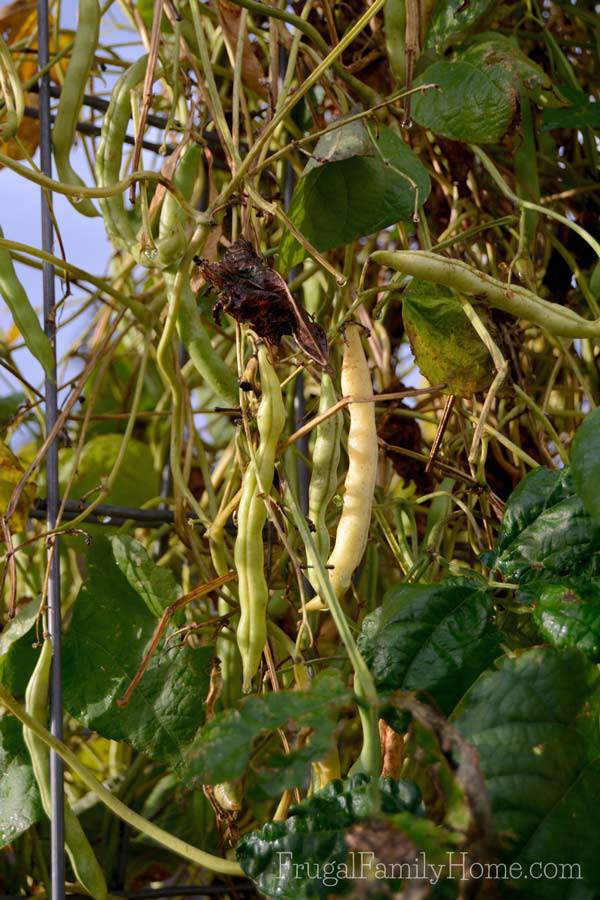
[329,524]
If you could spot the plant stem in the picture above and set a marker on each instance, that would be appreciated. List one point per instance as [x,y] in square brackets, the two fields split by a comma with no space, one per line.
[364,684]
[172,843]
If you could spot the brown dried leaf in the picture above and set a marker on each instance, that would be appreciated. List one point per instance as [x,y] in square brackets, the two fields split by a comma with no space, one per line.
[252,70]
[18,19]
[254,294]
[462,760]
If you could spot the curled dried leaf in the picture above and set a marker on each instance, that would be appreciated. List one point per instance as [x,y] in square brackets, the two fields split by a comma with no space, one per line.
[254,294]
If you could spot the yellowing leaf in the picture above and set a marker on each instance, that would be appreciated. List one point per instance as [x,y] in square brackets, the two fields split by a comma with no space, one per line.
[18,25]
[445,345]
[11,472]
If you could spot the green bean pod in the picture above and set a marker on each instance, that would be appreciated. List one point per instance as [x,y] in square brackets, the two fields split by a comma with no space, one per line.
[324,475]
[122,227]
[11,93]
[395,38]
[189,177]
[511,298]
[84,862]
[71,98]
[249,551]
[13,294]
[226,647]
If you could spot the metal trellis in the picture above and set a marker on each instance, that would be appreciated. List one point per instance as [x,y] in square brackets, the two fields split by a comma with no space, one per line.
[57,819]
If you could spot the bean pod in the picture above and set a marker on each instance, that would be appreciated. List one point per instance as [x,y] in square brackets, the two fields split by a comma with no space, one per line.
[121,226]
[359,486]
[511,298]
[13,294]
[324,475]
[11,92]
[71,98]
[395,38]
[249,551]
[189,177]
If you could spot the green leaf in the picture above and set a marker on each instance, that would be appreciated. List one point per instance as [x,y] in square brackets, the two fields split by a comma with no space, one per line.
[585,463]
[446,347]
[490,48]
[313,836]
[20,804]
[431,637]
[156,585]
[136,483]
[338,201]
[583,112]
[108,635]
[453,20]
[146,10]
[223,748]
[111,390]
[549,534]
[19,626]
[534,723]
[9,406]
[473,103]
[568,614]
[529,499]
[17,654]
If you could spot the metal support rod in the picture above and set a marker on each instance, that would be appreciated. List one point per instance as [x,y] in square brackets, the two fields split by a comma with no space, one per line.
[106,511]
[95,131]
[57,818]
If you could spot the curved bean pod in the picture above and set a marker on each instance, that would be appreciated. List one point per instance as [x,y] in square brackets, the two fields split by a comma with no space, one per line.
[85,865]
[189,178]
[249,551]
[26,320]
[465,279]
[71,98]
[324,476]
[11,92]
[359,487]
[121,226]
[395,38]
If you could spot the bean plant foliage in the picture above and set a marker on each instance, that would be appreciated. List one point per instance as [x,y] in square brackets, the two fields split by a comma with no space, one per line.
[328,530]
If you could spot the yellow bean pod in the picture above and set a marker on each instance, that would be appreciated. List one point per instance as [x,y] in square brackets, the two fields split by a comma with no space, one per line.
[359,486]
